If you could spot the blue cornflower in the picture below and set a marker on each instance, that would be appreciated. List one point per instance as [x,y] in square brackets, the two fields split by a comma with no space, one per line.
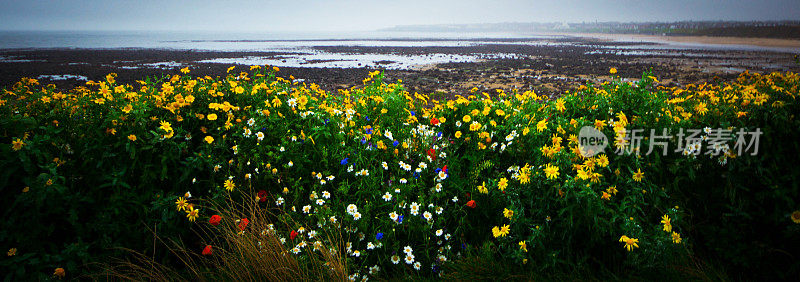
[379,236]
[395,143]
[344,161]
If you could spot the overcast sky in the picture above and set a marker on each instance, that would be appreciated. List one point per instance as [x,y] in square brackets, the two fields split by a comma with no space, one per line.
[351,15]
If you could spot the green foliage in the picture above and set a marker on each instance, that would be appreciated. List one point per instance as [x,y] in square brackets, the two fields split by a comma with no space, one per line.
[471,182]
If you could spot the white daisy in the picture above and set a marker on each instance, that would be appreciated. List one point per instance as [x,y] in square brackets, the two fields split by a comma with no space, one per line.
[427,215]
[352,209]
[409,259]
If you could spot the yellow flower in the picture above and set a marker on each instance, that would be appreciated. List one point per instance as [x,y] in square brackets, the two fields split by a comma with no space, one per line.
[541,125]
[229,185]
[17,144]
[212,116]
[505,230]
[599,124]
[185,70]
[165,125]
[701,108]
[500,231]
[110,77]
[499,112]
[466,118]
[502,184]
[128,108]
[524,175]
[630,243]
[676,238]
[475,126]
[638,175]
[482,188]
[496,231]
[523,246]
[209,139]
[612,70]
[560,105]
[667,223]
[192,213]
[60,272]
[458,134]
[602,161]
[796,217]
[551,171]
[12,252]
[181,203]
[132,137]
[508,213]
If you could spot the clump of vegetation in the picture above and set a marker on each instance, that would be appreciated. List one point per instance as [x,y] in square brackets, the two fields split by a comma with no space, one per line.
[377,182]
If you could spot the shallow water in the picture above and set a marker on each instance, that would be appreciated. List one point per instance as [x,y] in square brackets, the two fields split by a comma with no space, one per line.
[303,49]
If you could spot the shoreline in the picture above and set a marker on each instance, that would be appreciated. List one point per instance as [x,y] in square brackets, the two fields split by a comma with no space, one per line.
[543,68]
[710,40]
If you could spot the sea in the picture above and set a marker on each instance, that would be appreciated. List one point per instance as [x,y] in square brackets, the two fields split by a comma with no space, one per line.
[268,41]
[300,50]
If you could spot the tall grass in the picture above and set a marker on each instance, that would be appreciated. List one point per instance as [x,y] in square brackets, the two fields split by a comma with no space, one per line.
[253,254]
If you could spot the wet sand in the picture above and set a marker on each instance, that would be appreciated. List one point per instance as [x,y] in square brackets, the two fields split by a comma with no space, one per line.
[549,70]
[716,40]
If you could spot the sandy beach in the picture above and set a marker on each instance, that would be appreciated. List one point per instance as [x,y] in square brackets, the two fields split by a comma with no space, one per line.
[715,40]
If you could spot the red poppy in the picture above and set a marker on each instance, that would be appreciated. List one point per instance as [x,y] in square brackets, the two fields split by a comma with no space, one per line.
[215,220]
[471,204]
[293,235]
[262,196]
[243,223]
[432,153]
[434,121]
[207,250]
[469,194]
[444,169]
